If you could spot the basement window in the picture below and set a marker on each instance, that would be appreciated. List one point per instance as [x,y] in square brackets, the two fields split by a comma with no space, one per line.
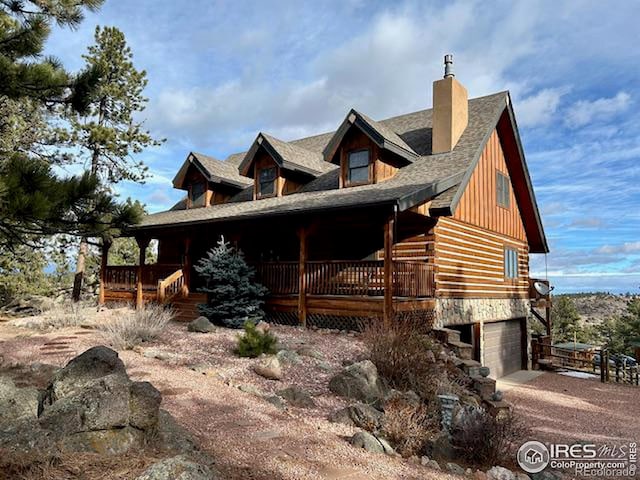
[358,167]
[267,182]
[503,190]
[510,263]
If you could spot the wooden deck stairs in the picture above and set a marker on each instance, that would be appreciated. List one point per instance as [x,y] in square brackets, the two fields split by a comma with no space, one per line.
[186,308]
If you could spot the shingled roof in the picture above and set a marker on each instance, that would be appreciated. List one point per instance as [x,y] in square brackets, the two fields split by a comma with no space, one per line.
[214,170]
[287,155]
[441,177]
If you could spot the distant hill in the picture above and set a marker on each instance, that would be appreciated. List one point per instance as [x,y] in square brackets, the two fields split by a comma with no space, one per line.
[596,307]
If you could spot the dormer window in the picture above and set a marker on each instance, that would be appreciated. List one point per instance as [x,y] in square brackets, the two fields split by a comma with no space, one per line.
[358,167]
[267,181]
[197,194]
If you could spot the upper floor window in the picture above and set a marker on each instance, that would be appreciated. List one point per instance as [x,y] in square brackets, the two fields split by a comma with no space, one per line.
[510,263]
[503,190]
[197,195]
[267,181]
[358,167]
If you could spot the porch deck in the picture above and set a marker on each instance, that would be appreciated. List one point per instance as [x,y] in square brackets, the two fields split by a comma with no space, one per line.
[337,288]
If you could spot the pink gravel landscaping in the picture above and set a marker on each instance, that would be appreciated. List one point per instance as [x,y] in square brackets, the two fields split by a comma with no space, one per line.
[563,409]
[199,376]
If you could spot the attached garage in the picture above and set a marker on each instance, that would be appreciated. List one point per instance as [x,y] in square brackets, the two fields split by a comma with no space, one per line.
[504,346]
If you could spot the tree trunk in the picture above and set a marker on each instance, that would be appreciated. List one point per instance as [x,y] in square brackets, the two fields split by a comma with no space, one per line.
[80,264]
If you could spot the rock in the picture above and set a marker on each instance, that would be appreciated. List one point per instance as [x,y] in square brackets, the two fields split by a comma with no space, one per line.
[95,363]
[433,465]
[144,404]
[359,415]
[546,475]
[497,396]
[297,397]
[277,402]
[29,305]
[424,460]
[178,468]
[322,365]
[288,356]
[248,388]
[409,398]
[359,381]
[430,356]
[310,352]
[455,468]
[201,325]
[101,405]
[269,368]
[172,436]
[440,447]
[500,473]
[157,354]
[521,476]
[371,443]
[479,475]
[114,441]
[263,327]
[17,403]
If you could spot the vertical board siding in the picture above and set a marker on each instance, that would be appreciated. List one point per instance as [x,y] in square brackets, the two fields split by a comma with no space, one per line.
[478,204]
[469,246]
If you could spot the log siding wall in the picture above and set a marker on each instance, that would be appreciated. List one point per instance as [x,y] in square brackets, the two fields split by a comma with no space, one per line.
[469,246]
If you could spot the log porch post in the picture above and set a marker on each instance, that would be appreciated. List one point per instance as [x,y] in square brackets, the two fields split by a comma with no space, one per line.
[302,277]
[186,267]
[143,243]
[106,244]
[387,309]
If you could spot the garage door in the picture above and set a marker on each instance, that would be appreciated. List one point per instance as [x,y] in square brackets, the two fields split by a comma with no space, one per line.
[503,347]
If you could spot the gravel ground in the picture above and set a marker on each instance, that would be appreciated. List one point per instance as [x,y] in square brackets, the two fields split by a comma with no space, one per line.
[251,439]
[565,409]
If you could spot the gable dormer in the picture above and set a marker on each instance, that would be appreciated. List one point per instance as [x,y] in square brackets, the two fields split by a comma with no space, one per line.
[279,168]
[208,181]
[367,151]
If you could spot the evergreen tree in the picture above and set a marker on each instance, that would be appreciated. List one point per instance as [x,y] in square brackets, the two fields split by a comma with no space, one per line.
[33,201]
[565,319]
[106,131]
[233,295]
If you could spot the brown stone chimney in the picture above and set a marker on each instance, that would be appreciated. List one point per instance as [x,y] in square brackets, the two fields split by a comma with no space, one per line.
[450,110]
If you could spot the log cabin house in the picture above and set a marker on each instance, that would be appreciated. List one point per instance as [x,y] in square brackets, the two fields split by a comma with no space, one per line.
[430,214]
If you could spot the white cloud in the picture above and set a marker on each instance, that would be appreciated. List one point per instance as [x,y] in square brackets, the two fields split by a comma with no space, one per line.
[540,108]
[584,111]
[627,247]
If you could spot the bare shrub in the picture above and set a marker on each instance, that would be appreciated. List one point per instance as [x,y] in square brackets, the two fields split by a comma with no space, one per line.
[483,439]
[138,326]
[67,314]
[404,357]
[408,426]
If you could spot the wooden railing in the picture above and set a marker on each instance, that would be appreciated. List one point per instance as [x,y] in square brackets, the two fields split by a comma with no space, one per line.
[348,277]
[125,277]
[281,278]
[171,287]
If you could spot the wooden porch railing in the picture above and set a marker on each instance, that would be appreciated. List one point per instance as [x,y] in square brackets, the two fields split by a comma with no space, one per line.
[349,278]
[171,287]
[125,277]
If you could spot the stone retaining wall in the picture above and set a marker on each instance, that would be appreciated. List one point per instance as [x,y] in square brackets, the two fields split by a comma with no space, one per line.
[461,311]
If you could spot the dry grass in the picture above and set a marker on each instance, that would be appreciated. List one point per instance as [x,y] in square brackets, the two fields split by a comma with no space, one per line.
[483,439]
[408,427]
[136,326]
[404,357]
[67,314]
[85,466]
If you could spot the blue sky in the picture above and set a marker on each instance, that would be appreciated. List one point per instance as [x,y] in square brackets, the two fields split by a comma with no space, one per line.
[219,72]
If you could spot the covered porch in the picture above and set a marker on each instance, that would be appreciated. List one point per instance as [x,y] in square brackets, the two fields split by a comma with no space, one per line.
[349,264]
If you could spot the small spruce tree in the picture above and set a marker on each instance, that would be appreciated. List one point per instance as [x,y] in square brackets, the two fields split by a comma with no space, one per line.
[233,295]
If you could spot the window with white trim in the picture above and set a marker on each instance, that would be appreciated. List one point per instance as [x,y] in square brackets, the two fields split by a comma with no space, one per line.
[510,263]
